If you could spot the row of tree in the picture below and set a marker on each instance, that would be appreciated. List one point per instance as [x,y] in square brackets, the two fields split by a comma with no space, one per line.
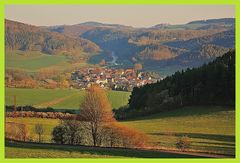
[210,84]
[112,134]
[38,114]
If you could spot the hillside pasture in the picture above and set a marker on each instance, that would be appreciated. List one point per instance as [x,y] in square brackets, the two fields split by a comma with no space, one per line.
[31,150]
[58,98]
[209,129]
[32,61]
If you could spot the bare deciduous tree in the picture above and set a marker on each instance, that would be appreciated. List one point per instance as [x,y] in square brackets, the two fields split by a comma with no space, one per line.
[96,111]
[39,130]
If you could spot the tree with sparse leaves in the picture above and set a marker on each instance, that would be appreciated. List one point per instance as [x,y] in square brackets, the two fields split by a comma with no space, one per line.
[39,131]
[96,111]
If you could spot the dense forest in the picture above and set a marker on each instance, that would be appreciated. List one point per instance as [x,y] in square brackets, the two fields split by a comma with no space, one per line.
[165,50]
[20,36]
[210,84]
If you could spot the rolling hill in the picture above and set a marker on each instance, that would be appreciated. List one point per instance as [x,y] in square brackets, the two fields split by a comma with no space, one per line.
[197,103]
[163,48]
[199,24]
[78,29]
[20,36]
[169,48]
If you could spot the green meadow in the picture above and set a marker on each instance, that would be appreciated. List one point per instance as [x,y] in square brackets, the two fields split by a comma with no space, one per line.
[210,129]
[33,61]
[58,98]
[28,150]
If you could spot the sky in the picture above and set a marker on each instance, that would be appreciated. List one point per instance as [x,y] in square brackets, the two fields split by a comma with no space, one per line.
[132,15]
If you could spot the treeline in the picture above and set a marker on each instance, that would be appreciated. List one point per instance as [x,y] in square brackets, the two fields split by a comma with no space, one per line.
[224,39]
[109,135]
[156,52]
[28,108]
[210,84]
[154,37]
[38,114]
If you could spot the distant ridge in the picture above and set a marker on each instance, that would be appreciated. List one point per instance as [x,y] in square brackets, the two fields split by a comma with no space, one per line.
[214,21]
[163,47]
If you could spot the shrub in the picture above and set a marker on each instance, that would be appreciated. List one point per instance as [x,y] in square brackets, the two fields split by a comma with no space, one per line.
[117,135]
[52,115]
[58,134]
[68,132]
[16,131]
[183,143]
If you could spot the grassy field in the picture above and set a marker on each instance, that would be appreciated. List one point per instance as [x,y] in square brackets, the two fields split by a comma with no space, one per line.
[33,61]
[28,150]
[58,98]
[210,129]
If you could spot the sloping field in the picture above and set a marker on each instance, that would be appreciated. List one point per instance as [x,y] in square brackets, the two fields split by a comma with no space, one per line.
[30,150]
[210,129]
[33,61]
[58,98]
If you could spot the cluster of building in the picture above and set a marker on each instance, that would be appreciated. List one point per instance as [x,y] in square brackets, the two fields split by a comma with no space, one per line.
[115,79]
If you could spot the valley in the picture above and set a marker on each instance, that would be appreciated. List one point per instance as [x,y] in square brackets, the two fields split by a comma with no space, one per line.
[110,90]
[164,49]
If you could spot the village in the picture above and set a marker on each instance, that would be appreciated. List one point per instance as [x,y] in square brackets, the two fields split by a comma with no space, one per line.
[114,79]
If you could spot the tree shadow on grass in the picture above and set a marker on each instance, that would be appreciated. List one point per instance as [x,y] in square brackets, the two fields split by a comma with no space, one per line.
[226,138]
[220,144]
[226,144]
[121,152]
[184,112]
[226,150]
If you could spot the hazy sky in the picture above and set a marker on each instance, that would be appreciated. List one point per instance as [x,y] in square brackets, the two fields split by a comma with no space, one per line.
[133,15]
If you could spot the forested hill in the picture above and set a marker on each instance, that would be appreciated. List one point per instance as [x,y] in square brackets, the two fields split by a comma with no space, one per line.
[210,84]
[20,36]
[163,48]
